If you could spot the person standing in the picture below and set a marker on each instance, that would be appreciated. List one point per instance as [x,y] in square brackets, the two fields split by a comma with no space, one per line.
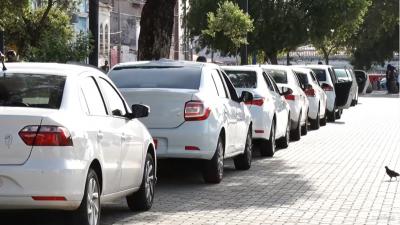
[105,67]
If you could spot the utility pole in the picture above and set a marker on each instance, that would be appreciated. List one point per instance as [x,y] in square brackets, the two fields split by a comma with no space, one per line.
[94,29]
[119,34]
[243,51]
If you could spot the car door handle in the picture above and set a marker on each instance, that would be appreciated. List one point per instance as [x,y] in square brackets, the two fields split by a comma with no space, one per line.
[100,135]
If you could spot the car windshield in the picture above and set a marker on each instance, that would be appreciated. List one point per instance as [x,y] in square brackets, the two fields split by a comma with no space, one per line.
[302,78]
[280,76]
[320,74]
[31,90]
[242,79]
[156,77]
[341,73]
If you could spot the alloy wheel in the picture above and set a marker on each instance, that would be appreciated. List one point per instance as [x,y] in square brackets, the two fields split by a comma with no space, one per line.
[93,202]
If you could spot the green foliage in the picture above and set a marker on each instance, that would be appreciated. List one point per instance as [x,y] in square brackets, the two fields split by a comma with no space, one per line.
[378,36]
[333,23]
[45,33]
[231,23]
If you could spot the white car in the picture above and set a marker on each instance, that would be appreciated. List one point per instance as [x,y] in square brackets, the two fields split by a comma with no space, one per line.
[298,102]
[196,113]
[269,110]
[69,141]
[316,97]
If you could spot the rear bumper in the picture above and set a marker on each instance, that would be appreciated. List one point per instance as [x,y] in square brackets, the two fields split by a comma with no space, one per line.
[313,107]
[45,178]
[261,123]
[171,142]
[330,100]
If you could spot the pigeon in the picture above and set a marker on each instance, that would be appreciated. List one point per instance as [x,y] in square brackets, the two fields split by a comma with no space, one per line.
[391,173]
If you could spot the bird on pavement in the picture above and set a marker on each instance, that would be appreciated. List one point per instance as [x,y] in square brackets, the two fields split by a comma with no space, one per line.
[391,173]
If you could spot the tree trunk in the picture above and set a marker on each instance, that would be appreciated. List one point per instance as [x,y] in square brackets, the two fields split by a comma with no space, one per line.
[156,25]
[273,58]
[287,58]
[326,56]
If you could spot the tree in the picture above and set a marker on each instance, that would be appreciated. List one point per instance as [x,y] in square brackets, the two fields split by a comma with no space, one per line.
[44,33]
[378,36]
[332,23]
[230,23]
[156,24]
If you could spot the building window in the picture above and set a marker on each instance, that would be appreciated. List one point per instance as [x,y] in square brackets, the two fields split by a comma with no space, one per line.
[101,40]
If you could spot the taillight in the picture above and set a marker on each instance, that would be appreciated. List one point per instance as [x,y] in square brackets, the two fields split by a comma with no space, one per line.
[310,92]
[45,136]
[195,111]
[327,87]
[256,101]
[290,97]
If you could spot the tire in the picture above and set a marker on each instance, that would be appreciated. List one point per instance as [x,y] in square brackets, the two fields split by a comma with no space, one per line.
[323,120]
[284,141]
[353,102]
[296,133]
[304,129]
[90,209]
[268,147]
[142,200]
[331,116]
[315,123]
[243,161]
[214,169]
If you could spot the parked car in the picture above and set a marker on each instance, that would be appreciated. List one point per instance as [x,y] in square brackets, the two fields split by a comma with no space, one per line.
[298,102]
[362,81]
[269,110]
[347,75]
[196,113]
[71,142]
[337,92]
[316,97]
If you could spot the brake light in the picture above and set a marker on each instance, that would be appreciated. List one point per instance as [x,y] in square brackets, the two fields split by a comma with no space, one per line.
[45,136]
[310,92]
[49,198]
[290,97]
[327,87]
[155,143]
[196,111]
[192,148]
[256,101]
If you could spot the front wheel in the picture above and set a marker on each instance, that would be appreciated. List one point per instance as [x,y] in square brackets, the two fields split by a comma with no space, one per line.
[90,209]
[296,133]
[315,124]
[214,169]
[243,161]
[331,116]
[284,141]
[142,200]
[323,120]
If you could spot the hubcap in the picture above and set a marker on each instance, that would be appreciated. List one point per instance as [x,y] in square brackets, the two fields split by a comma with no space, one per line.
[288,132]
[248,147]
[273,137]
[93,202]
[149,181]
[220,160]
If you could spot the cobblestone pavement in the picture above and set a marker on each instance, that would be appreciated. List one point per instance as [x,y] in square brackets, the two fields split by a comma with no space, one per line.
[332,176]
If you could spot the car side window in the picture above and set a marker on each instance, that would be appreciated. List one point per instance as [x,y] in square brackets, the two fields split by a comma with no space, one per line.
[116,104]
[333,76]
[298,83]
[313,77]
[269,84]
[230,87]
[210,84]
[91,94]
[220,85]
[277,90]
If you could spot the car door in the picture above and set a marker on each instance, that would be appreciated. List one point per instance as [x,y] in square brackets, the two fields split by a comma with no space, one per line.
[129,133]
[229,111]
[100,132]
[302,97]
[241,125]
[319,91]
[277,101]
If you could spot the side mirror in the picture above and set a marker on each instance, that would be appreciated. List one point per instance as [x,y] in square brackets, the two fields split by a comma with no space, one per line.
[286,91]
[139,111]
[246,96]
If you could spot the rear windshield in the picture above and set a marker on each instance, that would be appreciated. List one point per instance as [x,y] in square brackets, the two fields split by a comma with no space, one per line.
[303,78]
[242,79]
[31,90]
[280,76]
[156,77]
[341,73]
[320,74]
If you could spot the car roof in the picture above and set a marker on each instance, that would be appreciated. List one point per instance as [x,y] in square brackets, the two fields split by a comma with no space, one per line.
[282,67]
[243,68]
[316,66]
[49,68]
[165,63]
[302,69]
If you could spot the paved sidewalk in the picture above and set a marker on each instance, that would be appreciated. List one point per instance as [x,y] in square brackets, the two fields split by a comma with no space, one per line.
[332,176]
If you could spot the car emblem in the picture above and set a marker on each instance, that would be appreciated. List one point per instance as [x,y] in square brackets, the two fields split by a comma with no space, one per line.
[8,139]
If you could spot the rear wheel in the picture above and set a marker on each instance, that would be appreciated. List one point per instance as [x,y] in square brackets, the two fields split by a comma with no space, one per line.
[315,122]
[304,128]
[296,133]
[323,120]
[284,141]
[90,208]
[142,200]
[338,114]
[267,148]
[214,169]
[243,161]
[331,116]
